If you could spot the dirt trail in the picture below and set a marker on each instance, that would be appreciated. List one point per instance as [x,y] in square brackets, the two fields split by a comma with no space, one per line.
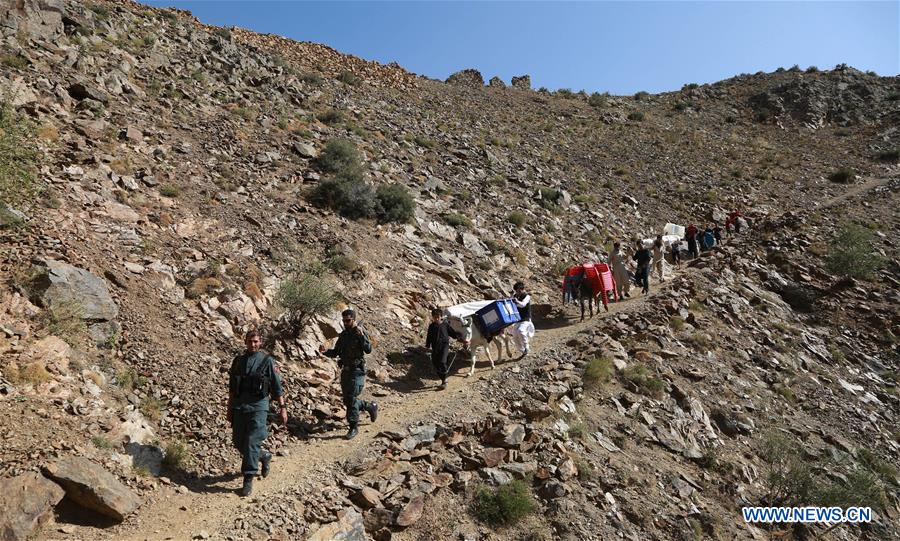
[213,508]
[870,184]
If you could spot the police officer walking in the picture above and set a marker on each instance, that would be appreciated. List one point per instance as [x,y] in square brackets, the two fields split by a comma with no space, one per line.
[352,344]
[252,379]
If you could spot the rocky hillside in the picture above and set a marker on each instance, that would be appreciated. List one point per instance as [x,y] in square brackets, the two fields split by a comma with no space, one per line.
[162,178]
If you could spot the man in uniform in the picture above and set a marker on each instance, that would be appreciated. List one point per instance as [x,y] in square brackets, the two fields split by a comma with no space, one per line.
[352,344]
[252,379]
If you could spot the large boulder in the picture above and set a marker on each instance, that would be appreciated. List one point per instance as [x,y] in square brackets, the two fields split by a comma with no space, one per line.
[349,527]
[522,82]
[26,502]
[92,487]
[467,77]
[65,286]
[40,19]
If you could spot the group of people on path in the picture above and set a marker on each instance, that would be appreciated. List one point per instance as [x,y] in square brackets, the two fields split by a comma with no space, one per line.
[253,380]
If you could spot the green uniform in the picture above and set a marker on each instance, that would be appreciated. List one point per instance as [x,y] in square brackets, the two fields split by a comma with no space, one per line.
[350,349]
[249,410]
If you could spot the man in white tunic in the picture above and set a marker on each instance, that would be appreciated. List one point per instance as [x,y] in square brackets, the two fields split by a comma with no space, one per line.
[524,329]
[620,272]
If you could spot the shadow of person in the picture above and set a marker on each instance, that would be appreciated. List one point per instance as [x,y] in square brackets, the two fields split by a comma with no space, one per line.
[417,362]
[210,484]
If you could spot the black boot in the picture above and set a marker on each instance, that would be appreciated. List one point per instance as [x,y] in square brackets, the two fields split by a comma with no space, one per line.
[248,486]
[373,411]
[352,433]
[266,461]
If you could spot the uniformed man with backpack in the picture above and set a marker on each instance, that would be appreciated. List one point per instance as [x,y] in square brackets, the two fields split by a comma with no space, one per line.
[252,379]
[351,346]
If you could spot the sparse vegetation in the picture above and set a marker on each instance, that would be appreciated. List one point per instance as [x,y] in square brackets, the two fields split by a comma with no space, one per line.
[425,142]
[18,154]
[516,218]
[176,455]
[305,295]
[31,374]
[842,176]
[852,253]
[637,116]
[14,61]
[457,220]
[101,442]
[65,320]
[310,78]
[349,78]
[169,190]
[600,101]
[644,380]
[598,371]
[341,264]
[641,96]
[889,156]
[677,323]
[340,158]
[152,408]
[504,505]
[330,117]
[129,380]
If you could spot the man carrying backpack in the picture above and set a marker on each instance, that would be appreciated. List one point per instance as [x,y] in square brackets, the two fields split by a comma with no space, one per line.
[352,344]
[252,379]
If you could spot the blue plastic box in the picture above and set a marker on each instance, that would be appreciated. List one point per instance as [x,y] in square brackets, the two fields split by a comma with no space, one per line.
[496,316]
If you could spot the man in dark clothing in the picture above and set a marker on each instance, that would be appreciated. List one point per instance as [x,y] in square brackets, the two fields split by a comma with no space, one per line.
[691,236]
[251,380]
[717,232]
[642,258]
[438,341]
[352,344]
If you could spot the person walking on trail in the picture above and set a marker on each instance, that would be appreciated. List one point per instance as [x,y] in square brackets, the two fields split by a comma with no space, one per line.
[252,379]
[642,258]
[438,341]
[523,331]
[620,272]
[690,235]
[676,252]
[717,232]
[659,256]
[351,347]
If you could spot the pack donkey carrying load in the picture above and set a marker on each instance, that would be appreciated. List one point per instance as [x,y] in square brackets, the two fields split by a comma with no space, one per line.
[484,322]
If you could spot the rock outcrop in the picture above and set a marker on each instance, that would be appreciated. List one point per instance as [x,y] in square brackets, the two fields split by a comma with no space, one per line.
[93,488]
[467,77]
[26,503]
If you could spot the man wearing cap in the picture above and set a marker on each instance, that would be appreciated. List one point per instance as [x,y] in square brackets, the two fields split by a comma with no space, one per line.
[351,346]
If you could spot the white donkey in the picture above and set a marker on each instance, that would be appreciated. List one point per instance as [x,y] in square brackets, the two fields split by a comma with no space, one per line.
[462,321]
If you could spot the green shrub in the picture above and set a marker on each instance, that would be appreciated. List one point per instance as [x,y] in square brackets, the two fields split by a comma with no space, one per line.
[152,408]
[598,371]
[331,117]
[889,156]
[245,113]
[349,78]
[636,115]
[690,86]
[812,69]
[516,218]
[100,442]
[304,295]
[598,100]
[565,93]
[128,379]
[310,78]
[342,263]
[350,197]
[677,323]
[425,142]
[457,220]
[505,505]
[495,247]
[395,203]
[842,176]
[14,61]
[549,196]
[176,455]
[641,377]
[18,154]
[641,96]
[169,190]
[223,33]
[852,253]
[341,158]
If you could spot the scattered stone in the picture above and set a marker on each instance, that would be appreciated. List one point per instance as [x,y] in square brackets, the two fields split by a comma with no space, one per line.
[92,487]
[26,503]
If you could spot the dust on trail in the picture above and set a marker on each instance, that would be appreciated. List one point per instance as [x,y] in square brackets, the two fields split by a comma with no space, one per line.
[213,506]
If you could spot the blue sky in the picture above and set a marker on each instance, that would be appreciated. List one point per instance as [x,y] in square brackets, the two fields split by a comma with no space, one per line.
[621,47]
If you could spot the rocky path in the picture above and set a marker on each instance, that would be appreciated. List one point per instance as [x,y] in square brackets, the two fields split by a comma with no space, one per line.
[211,505]
[866,186]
